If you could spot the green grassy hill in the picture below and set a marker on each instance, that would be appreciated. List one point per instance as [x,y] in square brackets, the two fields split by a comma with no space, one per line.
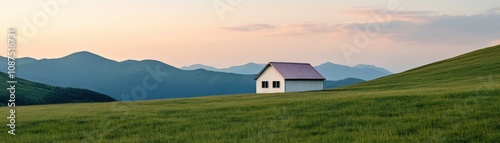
[462,70]
[32,93]
[455,100]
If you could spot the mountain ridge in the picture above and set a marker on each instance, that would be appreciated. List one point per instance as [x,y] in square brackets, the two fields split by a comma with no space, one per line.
[329,70]
[143,80]
[248,68]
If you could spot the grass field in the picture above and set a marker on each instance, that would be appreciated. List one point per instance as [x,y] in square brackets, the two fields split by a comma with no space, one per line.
[456,100]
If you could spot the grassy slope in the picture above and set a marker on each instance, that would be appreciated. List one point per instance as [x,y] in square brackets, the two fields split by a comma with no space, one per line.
[461,70]
[32,93]
[455,100]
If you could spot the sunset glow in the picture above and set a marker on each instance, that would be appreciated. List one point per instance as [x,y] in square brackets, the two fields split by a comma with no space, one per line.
[182,33]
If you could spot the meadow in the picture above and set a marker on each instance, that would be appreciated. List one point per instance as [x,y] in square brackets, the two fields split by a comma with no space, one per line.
[424,115]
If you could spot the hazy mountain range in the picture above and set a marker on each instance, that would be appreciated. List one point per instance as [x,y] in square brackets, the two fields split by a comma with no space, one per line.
[250,68]
[329,70]
[137,80]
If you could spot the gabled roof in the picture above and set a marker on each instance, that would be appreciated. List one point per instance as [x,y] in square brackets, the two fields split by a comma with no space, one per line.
[294,71]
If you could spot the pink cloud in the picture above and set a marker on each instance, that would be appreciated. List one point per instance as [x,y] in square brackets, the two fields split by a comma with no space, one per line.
[251,27]
[377,14]
[411,27]
[284,30]
[422,27]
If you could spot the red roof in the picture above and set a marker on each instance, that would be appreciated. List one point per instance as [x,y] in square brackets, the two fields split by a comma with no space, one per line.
[299,71]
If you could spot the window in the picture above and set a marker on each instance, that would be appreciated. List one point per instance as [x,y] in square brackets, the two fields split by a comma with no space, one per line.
[276,84]
[265,84]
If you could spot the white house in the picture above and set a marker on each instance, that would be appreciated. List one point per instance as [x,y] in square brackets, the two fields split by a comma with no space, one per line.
[280,77]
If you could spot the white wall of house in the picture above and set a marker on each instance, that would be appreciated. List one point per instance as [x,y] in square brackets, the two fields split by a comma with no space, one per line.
[303,85]
[270,74]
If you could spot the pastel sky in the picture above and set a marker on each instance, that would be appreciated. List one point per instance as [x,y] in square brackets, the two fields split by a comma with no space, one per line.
[394,34]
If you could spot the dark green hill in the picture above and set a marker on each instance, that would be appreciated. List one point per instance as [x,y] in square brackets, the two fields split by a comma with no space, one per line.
[32,93]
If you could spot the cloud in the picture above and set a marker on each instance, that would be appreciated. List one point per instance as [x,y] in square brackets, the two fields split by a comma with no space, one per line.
[251,27]
[493,11]
[414,27]
[394,15]
[428,28]
[371,12]
[284,30]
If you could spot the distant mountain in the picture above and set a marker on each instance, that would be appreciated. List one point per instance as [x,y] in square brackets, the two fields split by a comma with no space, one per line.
[364,66]
[19,61]
[138,80]
[329,70]
[200,66]
[340,83]
[32,93]
[333,71]
[249,68]
[132,80]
